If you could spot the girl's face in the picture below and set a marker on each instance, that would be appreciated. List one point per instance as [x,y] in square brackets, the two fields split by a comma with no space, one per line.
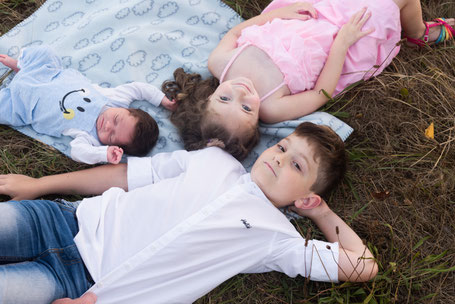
[237,104]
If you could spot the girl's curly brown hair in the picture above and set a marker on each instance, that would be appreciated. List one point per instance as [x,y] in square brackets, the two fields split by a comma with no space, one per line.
[192,117]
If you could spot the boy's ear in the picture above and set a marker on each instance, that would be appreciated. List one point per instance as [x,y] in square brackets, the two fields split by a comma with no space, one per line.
[311,201]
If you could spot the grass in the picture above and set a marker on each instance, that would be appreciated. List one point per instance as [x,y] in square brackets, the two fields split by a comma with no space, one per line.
[399,194]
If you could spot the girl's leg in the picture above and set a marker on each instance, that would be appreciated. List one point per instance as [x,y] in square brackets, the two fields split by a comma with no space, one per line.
[9,62]
[412,21]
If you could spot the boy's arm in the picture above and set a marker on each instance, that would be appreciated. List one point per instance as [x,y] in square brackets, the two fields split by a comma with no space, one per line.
[355,262]
[139,172]
[297,105]
[85,182]
[300,10]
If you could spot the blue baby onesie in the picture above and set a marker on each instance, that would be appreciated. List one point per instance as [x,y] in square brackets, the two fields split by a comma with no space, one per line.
[48,97]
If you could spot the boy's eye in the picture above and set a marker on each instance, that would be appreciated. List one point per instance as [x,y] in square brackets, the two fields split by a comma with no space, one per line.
[246,108]
[115,119]
[296,165]
[280,147]
[224,98]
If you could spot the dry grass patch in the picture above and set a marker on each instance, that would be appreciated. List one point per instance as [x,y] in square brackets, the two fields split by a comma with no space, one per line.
[399,194]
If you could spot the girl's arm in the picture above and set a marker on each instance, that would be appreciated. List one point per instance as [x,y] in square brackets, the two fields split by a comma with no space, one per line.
[85,182]
[355,261]
[297,105]
[299,10]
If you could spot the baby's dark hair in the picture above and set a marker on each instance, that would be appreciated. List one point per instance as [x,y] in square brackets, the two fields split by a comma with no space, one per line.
[328,149]
[191,118]
[145,134]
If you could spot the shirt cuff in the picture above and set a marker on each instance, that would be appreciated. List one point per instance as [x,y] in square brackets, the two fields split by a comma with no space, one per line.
[324,266]
[139,172]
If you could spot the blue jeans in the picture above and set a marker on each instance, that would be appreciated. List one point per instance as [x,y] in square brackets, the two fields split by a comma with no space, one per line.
[39,261]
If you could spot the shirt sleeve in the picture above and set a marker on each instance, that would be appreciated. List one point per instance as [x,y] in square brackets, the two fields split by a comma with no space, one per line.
[313,259]
[35,57]
[127,93]
[85,148]
[143,171]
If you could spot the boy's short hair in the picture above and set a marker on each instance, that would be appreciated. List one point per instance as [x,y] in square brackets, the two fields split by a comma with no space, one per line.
[328,149]
[145,134]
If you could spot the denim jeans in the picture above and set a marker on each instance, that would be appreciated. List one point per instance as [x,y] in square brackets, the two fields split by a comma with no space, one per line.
[39,261]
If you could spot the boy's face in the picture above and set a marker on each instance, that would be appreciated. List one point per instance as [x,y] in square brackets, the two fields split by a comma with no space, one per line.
[115,127]
[237,104]
[286,171]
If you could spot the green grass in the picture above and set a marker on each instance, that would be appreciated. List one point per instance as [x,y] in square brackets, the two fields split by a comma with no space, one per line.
[399,194]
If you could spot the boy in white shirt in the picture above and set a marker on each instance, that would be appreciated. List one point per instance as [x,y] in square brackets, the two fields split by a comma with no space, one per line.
[189,221]
[58,101]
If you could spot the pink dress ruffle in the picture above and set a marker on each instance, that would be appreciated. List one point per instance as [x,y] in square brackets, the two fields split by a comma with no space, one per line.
[300,48]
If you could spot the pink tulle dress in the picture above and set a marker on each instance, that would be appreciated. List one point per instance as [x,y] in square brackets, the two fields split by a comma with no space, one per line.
[300,48]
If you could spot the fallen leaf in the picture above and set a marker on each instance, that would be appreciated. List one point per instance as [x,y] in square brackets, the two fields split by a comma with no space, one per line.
[429,132]
[381,195]
[404,93]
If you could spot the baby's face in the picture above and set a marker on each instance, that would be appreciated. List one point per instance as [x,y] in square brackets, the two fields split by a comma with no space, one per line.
[115,127]
[236,104]
[286,171]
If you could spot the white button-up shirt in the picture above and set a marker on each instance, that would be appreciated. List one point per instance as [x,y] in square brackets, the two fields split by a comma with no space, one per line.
[190,221]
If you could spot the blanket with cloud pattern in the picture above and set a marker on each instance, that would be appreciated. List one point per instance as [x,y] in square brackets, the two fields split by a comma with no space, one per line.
[119,41]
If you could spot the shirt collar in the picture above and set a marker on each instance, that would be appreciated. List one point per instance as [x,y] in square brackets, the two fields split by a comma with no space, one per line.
[252,187]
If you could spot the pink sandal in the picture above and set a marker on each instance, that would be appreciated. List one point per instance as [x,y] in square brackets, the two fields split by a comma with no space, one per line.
[447,33]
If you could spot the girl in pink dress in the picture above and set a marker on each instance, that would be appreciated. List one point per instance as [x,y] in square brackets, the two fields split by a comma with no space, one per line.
[281,64]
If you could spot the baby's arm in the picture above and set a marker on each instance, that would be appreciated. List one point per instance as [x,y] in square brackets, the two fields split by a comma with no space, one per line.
[294,106]
[299,10]
[127,93]
[356,262]
[9,62]
[83,148]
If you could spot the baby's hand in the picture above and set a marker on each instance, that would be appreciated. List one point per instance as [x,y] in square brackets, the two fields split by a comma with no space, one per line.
[171,105]
[351,32]
[114,154]
[298,10]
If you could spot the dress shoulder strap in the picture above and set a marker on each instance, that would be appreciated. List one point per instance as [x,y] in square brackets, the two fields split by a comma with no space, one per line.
[233,58]
[237,53]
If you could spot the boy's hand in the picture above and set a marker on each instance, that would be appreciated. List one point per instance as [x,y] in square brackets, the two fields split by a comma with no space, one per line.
[313,213]
[19,187]
[351,32]
[298,10]
[171,105]
[114,154]
[88,298]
